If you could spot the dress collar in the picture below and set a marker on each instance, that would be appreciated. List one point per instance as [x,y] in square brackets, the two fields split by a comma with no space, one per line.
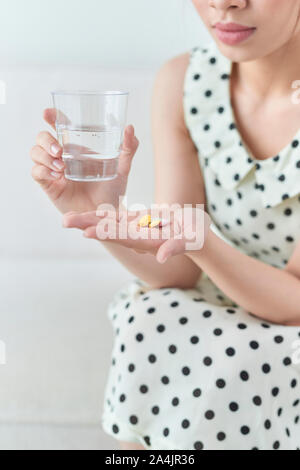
[277,178]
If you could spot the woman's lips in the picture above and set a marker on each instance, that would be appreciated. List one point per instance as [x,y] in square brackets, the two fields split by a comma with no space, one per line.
[232,33]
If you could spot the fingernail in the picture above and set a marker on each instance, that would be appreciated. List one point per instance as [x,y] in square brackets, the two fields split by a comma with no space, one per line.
[55,175]
[55,149]
[58,164]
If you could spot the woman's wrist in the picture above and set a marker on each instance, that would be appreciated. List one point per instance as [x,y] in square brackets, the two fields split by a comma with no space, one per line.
[207,248]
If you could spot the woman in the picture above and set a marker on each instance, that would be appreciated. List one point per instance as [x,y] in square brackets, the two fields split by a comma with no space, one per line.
[205,358]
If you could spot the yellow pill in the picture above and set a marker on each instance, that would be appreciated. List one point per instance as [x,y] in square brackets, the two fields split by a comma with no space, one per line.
[145,221]
[155,223]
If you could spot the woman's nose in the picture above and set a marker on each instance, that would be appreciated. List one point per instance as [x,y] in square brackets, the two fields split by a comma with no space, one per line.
[225,4]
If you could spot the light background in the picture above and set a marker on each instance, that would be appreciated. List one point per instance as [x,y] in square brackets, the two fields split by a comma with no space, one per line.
[108,32]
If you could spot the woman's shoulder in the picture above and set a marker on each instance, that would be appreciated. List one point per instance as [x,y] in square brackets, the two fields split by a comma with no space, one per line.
[173,73]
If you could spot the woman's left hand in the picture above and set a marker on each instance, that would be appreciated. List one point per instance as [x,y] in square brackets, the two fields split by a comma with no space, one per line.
[181,229]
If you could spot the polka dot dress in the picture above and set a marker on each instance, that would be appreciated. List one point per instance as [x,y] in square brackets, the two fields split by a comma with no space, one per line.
[191,370]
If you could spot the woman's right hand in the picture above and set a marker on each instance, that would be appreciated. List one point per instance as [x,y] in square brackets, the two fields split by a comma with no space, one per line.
[70,196]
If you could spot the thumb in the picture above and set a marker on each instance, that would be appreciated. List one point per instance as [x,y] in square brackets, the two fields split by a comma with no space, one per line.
[50,116]
[129,148]
[170,248]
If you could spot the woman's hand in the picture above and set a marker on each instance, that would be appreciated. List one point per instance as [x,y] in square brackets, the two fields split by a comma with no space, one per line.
[67,195]
[181,230]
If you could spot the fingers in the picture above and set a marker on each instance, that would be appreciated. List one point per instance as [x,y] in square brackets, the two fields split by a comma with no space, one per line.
[49,143]
[44,175]
[170,248]
[80,221]
[41,157]
[91,232]
[129,148]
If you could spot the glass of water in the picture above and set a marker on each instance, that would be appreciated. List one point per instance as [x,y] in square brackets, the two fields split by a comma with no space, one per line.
[90,129]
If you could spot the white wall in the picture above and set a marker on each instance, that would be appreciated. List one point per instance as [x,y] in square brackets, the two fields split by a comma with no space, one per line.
[107,32]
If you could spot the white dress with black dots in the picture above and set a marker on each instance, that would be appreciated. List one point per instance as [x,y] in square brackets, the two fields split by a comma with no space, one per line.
[190,368]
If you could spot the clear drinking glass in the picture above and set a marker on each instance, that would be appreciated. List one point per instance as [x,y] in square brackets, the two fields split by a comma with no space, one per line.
[90,128]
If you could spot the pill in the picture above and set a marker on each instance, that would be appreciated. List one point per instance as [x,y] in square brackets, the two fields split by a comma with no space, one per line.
[145,221]
[155,223]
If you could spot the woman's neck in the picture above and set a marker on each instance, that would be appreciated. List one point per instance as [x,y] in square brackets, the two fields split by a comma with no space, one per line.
[271,77]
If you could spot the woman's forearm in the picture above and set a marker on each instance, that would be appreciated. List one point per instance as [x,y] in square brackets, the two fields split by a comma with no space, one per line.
[263,290]
[178,271]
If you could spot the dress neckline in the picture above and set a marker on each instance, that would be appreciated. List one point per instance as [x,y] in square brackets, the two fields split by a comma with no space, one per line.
[238,137]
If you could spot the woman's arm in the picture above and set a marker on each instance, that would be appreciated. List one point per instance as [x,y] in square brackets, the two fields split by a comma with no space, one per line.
[178,177]
[267,292]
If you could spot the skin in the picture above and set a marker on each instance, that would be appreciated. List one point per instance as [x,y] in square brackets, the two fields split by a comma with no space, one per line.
[272,53]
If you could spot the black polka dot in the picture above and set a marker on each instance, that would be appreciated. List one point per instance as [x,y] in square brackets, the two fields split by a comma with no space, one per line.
[198,445]
[218,332]
[151,310]
[186,371]
[122,398]
[194,110]
[233,406]
[287,361]
[245,430]
[275,391]
[220,383]
[172,349]
[197,76]
[253,213]
[197,392]
[139,337]
[175,401]
[194,339]
[294,383]
[144,389]
[183,321]
[221,436]
[209,415]
[174,304]
[152,358]
[165,380]
[278,339]
[131,367]
[185,423]
[207,314]
[207,361]
[230,352]
[133,419]
[257,401]
[208,93]
[266,368]
[295,143]
[244,376]
[276,445]
[267,424]
[115,429]
[254,345]
[155,410]
[166,432]
[161,328]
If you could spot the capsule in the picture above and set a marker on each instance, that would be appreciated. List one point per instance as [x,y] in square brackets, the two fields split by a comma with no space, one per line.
[145,221]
